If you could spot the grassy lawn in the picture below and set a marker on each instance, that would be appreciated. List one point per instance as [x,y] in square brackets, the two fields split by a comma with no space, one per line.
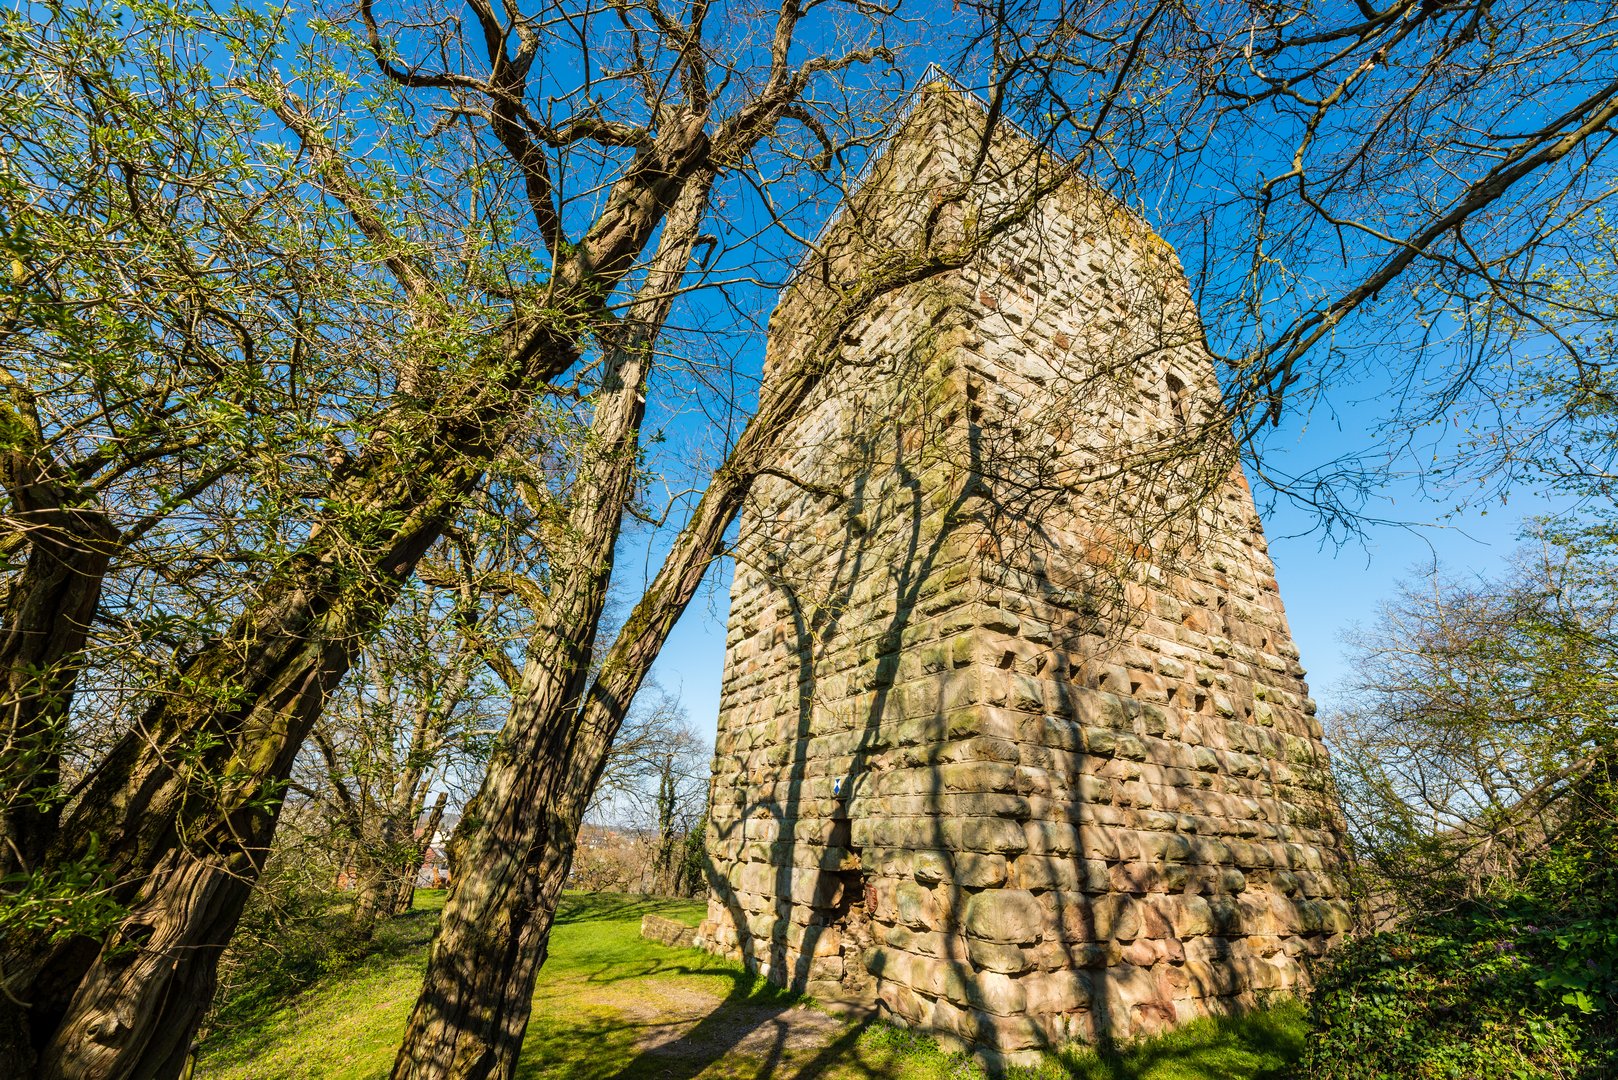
[610,1004]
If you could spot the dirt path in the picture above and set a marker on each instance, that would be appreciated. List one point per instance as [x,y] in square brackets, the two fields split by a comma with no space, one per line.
[673,1018]
[684,1032]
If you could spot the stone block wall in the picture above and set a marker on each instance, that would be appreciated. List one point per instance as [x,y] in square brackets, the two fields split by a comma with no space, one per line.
[667,931]
[1014,745]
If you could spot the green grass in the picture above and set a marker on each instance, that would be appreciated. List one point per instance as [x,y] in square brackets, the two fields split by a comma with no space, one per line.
[1261,1045]
[610,1004]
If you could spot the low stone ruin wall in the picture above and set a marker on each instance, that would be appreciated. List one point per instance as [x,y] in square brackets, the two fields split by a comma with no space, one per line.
[667,931]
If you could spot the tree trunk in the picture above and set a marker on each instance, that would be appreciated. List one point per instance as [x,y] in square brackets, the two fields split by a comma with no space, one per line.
[47,616]
[185,806]
[469,1020]
[47,622]
[138,1007]
[373,898]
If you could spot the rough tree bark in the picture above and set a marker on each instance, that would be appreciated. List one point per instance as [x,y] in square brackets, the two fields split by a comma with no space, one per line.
[183,808]
[471,1015]
[47,615]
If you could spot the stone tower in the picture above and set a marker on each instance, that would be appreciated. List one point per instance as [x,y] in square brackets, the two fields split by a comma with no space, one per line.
[1014,745]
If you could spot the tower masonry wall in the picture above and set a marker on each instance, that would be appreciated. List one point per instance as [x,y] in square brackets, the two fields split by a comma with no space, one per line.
[1014,744]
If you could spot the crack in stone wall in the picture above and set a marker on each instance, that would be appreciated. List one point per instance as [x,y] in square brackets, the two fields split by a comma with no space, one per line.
[1014,744]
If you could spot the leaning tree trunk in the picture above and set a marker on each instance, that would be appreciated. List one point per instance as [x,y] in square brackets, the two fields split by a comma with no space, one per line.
[48,611]
[182,809]
[494,934]
[192,835]
[47,622]
[493,937]
[473,1009]
[45,619]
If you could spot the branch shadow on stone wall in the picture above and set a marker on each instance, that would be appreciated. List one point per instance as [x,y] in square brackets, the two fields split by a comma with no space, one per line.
[1059,847]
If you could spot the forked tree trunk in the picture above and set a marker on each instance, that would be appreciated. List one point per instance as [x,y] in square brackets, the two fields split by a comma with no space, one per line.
[494,934]
[405,898]
[389,862]
[387,883]
[469,1020]
[373,899]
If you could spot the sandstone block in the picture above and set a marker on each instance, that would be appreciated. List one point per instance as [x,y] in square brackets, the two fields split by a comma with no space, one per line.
[914,905]
[987,835]
[974,776]
[1009,916]
[994,956]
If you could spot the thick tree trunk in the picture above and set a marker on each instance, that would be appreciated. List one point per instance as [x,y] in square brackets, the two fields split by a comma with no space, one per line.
[48,611]
[47,622]
[190,796]
[184,808]
[137,1009]
[469,1020]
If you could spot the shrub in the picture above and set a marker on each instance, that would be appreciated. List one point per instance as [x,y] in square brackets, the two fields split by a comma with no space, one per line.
[1525,985]
[1477,994]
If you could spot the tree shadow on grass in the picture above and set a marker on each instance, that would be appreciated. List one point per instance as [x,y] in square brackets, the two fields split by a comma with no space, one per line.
[581,907]
[751,1030]
[756,1041]
[758,1032]
[754,1029]
[1262,1045]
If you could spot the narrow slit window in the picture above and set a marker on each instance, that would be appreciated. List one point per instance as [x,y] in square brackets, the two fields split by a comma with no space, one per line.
[1177,399]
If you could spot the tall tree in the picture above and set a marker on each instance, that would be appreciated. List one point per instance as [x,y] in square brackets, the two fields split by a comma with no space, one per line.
[1481,706]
